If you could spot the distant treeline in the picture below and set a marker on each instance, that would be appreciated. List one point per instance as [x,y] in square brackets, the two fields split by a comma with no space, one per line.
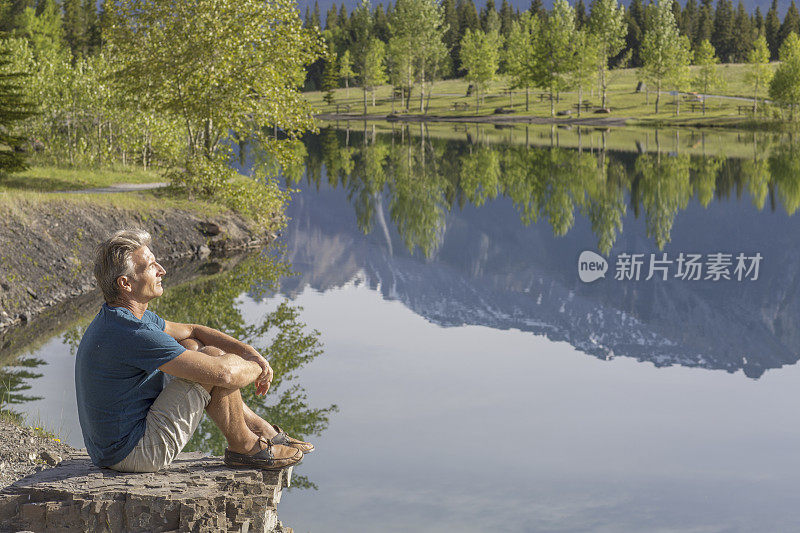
[731,30]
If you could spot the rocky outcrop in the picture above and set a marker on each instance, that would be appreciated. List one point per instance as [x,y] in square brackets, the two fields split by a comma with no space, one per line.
[195,493]
[46,247]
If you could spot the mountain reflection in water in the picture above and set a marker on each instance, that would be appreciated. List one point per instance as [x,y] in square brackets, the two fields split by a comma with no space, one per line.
[466,231]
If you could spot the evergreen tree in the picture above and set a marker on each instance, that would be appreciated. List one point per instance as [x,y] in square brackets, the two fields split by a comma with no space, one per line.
[315,18]
[344,19]
[537,8]
[676,13]
[580,14]
[467,17]
[307,18]
[10,13]
[43,30]
[744,34]
[791,23]
[688,20]
[705,23]
[381,24]
[331,18]
[490,20]
[330,77]
[772,27]
[14,108]
[722,36]
[758,22]
[506,18]
[452,33]
[635,18]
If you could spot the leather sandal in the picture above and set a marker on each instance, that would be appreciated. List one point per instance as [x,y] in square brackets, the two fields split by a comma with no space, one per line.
[286,440]
[273,457]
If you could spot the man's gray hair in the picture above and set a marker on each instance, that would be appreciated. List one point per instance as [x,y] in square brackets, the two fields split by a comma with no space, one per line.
[112,259]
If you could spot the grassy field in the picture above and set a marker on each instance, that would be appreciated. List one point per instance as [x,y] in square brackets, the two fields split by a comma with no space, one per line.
[449,99]
[43,183]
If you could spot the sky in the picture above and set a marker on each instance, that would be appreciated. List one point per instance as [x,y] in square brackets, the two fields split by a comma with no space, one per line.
[324,5]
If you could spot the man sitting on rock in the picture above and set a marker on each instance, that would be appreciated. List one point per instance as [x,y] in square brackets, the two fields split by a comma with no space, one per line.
[134,418]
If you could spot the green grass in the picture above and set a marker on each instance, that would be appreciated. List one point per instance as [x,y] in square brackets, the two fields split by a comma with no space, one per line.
[623,100]
[50,179]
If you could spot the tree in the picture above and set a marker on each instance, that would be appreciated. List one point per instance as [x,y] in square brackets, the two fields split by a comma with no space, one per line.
[607,25]
[43,30]
[480,56]
[785,85]
[791,23]
[743,30]
[520,53]
[587,51]
[707,77]
[772,27]
[665,53]
[556,50]
[330,77]
[688,22]
[416,27]
[221,67]
[759,72]
[374,70]
[14,108]
[705,23]
[346,71]
[635,20]
[722,36]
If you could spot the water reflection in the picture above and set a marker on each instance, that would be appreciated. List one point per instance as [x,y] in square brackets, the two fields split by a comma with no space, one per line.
[499,226]
[425,177]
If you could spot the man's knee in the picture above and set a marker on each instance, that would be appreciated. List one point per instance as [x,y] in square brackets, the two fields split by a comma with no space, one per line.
[191,344]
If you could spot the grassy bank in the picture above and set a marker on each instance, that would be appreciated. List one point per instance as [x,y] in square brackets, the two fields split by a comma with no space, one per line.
[449,99]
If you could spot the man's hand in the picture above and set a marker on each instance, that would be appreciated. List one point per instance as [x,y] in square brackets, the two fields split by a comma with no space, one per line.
[263,381]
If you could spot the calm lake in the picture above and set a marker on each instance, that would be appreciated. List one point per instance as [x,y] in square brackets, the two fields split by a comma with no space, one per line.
[462,365]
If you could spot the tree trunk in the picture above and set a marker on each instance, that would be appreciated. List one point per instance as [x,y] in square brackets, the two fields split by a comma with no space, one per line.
[603,85]
[527,98]
[365,99]
[477,99]
[207,139]
[552,104]
[422,92]
[658,95]
[580,99]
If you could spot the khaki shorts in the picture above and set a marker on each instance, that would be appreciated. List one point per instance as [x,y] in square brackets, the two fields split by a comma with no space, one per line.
[172,419]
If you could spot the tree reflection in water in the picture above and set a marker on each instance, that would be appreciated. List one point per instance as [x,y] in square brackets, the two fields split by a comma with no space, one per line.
[421,179]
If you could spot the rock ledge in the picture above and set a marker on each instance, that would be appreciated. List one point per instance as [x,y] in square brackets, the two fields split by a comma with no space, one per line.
[195,493]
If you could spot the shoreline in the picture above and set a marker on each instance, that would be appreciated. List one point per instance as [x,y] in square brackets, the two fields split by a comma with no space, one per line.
[688,122]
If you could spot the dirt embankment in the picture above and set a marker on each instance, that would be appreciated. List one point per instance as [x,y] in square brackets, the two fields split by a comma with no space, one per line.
[46,248]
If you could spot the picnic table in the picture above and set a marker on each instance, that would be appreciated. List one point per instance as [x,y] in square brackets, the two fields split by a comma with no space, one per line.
[584,105]
[744,109]
[459,105]
[344,107]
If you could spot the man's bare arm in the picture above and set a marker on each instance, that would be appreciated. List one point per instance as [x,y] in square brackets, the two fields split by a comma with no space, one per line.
[228,370]
[212,337]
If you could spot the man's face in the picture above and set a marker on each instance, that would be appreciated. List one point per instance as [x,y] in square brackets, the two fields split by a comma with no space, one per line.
[147,273]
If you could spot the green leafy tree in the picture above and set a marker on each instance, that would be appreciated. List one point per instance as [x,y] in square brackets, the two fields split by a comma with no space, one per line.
[785,85]
[607,26]
[759,72]
[14,108]
[43,30]
[556,51]
[374,72]
[520,53]
[480,56]
[665,53]
[346,71]
[222,66]
[418,32]
[707,77]
[587,52]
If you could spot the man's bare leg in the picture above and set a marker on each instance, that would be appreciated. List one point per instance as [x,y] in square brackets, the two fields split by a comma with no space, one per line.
[231,415]
[255,423]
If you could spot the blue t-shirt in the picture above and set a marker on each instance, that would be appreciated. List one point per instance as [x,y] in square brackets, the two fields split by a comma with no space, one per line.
[117,379]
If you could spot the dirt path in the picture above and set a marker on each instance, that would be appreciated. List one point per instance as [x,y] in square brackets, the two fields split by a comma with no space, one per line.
[120,187]
[602,121]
